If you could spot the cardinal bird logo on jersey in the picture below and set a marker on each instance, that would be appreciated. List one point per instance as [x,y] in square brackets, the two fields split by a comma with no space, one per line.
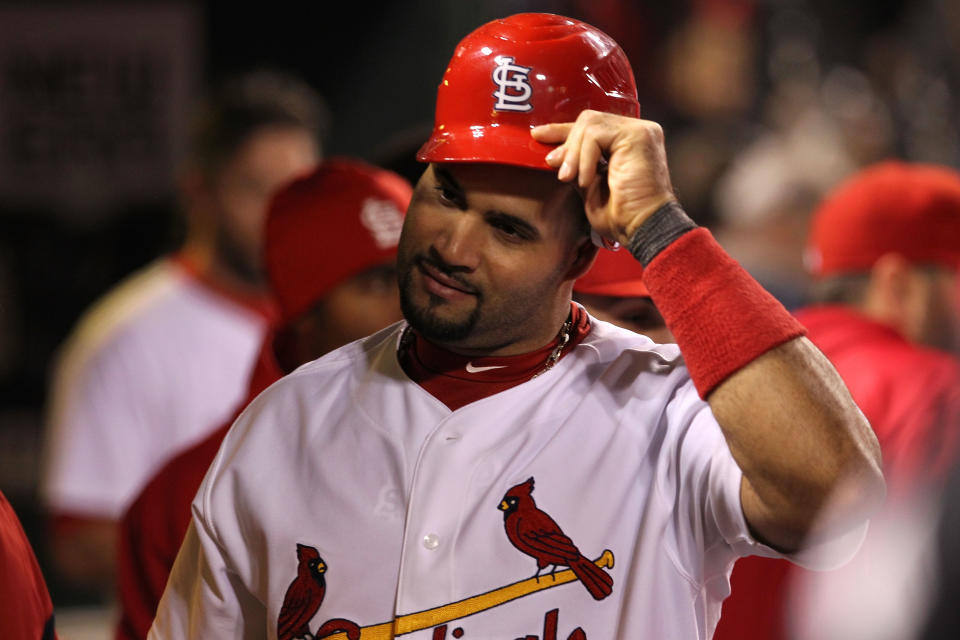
[303,599]
[304,595]
[535,533]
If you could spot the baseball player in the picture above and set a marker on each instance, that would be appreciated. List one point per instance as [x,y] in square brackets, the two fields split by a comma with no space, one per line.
[164,358]
[500,464]
[884,250]
[330,245]
[613,290]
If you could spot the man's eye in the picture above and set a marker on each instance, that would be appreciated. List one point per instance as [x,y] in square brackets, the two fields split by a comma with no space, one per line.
[505,227]
[447,195]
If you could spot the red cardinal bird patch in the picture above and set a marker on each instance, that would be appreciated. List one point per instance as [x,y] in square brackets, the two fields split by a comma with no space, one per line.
[304,595]
[535,533]
[303,599]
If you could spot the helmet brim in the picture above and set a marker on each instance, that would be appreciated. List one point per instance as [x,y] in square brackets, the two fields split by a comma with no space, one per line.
[496,145]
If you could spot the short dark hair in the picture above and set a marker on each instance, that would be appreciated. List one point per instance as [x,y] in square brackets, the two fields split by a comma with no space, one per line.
[580,211]
[241,105]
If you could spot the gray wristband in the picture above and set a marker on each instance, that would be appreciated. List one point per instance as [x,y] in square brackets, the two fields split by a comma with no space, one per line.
[667,223]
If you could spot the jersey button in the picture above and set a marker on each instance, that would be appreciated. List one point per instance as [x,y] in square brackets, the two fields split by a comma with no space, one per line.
[431,541]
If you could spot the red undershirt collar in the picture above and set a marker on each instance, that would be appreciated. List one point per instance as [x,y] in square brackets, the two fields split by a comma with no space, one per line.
[457,380]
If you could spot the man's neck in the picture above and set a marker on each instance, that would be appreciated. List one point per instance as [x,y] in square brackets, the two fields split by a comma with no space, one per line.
[204,260]
[457,379]
[520,345]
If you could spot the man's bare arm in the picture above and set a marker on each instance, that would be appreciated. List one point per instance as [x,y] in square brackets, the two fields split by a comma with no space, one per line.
[801,442]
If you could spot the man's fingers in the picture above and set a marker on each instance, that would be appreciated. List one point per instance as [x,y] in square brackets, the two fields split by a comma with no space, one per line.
[571,157]
[551,133]
[590,155]
[555,157]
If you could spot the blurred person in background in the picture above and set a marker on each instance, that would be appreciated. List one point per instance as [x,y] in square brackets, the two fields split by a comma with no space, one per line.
[164,358]
[764,201]
[943,563]
[330,244]
[710,84]
[26,612]
[613,290]
[944,617]
[943,621]
[884,251]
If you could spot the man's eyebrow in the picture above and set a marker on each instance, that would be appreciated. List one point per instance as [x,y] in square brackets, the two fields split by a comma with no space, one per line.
[446,177]
[526,230]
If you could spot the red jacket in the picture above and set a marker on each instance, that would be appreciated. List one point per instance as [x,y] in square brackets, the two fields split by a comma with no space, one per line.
[153,528]
[26,612]
[910,395]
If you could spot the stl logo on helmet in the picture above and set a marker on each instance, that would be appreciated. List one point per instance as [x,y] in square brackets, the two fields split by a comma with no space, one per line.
[513,88]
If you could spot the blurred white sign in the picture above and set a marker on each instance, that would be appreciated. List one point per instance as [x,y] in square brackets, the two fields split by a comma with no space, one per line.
[93,103]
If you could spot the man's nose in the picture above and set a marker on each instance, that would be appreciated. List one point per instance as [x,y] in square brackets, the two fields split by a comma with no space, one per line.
[460,242]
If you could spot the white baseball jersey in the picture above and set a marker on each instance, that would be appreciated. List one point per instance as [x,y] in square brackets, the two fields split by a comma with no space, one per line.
[153,367]
[347,498]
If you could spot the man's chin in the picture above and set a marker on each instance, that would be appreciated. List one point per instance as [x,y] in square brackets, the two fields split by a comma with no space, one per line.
[438,324]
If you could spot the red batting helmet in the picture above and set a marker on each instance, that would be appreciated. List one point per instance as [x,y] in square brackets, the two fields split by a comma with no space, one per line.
[516,73]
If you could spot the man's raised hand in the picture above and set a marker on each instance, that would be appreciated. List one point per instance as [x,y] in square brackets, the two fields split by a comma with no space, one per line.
[636,180]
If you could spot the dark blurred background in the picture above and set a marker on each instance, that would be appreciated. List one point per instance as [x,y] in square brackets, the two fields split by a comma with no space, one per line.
[766,104]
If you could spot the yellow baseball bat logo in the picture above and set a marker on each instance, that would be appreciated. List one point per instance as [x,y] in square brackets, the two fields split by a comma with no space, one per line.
[475,604]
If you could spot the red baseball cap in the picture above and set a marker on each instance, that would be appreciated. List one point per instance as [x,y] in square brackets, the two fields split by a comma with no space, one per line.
[328,226]
[515,73]
[892,207]
[614,273]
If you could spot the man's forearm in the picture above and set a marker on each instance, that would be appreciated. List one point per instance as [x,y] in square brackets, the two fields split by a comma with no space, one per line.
[801,442]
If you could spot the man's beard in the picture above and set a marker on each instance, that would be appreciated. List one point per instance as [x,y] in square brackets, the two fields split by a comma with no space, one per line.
[425,321]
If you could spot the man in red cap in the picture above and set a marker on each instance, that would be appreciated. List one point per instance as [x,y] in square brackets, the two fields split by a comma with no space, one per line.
[330,248]
[613,291]
[884,250]
[501,464]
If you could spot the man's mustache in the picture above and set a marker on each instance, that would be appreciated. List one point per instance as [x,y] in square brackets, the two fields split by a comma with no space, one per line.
[450,271]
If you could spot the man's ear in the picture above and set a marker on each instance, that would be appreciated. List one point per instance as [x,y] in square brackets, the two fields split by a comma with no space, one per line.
[889,292]
[584,256]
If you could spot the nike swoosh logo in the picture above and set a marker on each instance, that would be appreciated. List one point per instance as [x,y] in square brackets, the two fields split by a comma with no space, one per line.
[473,369]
